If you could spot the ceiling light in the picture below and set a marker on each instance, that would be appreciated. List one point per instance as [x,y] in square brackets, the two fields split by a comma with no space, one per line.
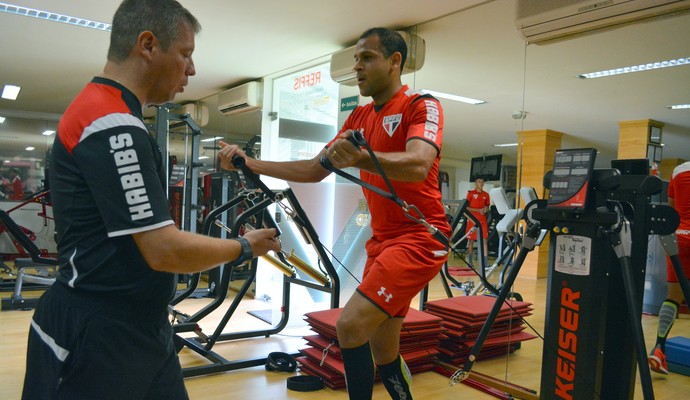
[453,97]
[636,68]
[203,157]
[51,16]
[10,92]
[30,148]
[47,132]
[505,145]
[678,107]
[2,119]
[212,139]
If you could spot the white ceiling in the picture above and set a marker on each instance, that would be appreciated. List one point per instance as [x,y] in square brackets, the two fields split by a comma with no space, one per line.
[472,49]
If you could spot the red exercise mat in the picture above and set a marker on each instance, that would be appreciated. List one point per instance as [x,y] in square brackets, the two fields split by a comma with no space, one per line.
[321,343]
[473,307]
[414,318]
[461,271]
[501,328]
[331,379]
[495,340]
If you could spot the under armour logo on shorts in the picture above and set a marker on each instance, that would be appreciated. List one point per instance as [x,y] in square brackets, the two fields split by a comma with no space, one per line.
[383,293]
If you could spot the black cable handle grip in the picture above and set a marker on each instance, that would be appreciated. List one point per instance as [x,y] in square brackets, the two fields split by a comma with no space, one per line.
[357,138]
[241,164]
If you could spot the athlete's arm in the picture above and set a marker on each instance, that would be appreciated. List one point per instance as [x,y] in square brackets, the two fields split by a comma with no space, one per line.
[411,165]
[293,171]
[169,249]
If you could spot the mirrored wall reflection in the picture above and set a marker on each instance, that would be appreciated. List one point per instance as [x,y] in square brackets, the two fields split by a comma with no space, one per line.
[475,54]
[569,109]
[23,154]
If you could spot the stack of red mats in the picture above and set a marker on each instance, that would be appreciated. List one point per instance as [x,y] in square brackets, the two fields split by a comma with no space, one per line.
[419,342]
[464,317]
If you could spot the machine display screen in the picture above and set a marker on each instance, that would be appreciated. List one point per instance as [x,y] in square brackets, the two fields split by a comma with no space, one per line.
[572,170]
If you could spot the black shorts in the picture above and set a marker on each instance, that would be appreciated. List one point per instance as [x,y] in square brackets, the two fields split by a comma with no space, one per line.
[84,350]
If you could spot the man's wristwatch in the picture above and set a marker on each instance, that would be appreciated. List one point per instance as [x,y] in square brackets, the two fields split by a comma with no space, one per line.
[247,253]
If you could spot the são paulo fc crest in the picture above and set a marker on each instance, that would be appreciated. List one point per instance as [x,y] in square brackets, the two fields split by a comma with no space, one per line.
[391,123]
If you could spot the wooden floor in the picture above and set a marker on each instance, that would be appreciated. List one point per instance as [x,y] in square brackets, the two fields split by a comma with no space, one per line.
[522,367]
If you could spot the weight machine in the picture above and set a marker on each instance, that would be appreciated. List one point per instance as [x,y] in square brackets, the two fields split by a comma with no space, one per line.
[186,208]
[509,243]
[39,261]
[593,338]
[253,212]
[186,200]
[509,240]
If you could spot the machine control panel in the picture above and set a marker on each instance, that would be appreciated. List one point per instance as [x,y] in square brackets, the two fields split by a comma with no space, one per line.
[570,180]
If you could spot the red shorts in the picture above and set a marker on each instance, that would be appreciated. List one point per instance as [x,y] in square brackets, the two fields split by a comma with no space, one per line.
[684,255]
[482,221]
[398,269]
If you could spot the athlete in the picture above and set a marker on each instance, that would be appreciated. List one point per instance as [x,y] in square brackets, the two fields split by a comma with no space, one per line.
[405,131]
[478,202]
[678,198]
[101,331]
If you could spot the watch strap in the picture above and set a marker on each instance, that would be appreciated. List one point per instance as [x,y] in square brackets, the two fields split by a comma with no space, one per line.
[247,252]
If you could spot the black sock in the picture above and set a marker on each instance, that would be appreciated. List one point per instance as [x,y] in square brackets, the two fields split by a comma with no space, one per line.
[397,379]
[359,372]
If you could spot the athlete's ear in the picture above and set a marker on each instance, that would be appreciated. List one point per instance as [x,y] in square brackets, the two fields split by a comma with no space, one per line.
[396,60]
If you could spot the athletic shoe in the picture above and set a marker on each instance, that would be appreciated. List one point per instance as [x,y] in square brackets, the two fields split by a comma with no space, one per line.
[657,361]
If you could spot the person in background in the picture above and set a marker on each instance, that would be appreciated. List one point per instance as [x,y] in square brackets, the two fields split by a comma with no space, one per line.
[14,185]
[4,182]
[405,131]
[478,203]
[101,331]
[678,198]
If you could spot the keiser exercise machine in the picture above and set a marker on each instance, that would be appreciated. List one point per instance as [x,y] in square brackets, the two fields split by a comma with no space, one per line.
[254,203]
[593,338]
[593,335]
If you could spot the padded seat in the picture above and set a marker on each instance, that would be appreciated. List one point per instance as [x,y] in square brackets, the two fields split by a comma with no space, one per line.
[510,215]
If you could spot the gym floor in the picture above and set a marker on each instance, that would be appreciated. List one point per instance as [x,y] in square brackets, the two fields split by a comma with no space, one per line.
[522,367]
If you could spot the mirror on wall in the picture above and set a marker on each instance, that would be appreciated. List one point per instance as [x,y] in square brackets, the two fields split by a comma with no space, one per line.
[25,144]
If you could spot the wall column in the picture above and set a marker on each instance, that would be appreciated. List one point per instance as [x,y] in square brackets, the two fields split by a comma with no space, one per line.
[633,138]
[536,152]
[667,165]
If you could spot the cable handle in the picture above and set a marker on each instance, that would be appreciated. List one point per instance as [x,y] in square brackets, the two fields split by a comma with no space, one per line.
[241,164]
[357,139]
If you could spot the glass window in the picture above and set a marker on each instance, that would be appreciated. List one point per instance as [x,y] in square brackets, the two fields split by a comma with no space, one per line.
[307,103]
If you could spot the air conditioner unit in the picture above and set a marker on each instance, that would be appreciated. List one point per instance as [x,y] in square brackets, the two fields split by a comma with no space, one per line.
[198,112]
[540,21]
[343,61]
[240,99]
